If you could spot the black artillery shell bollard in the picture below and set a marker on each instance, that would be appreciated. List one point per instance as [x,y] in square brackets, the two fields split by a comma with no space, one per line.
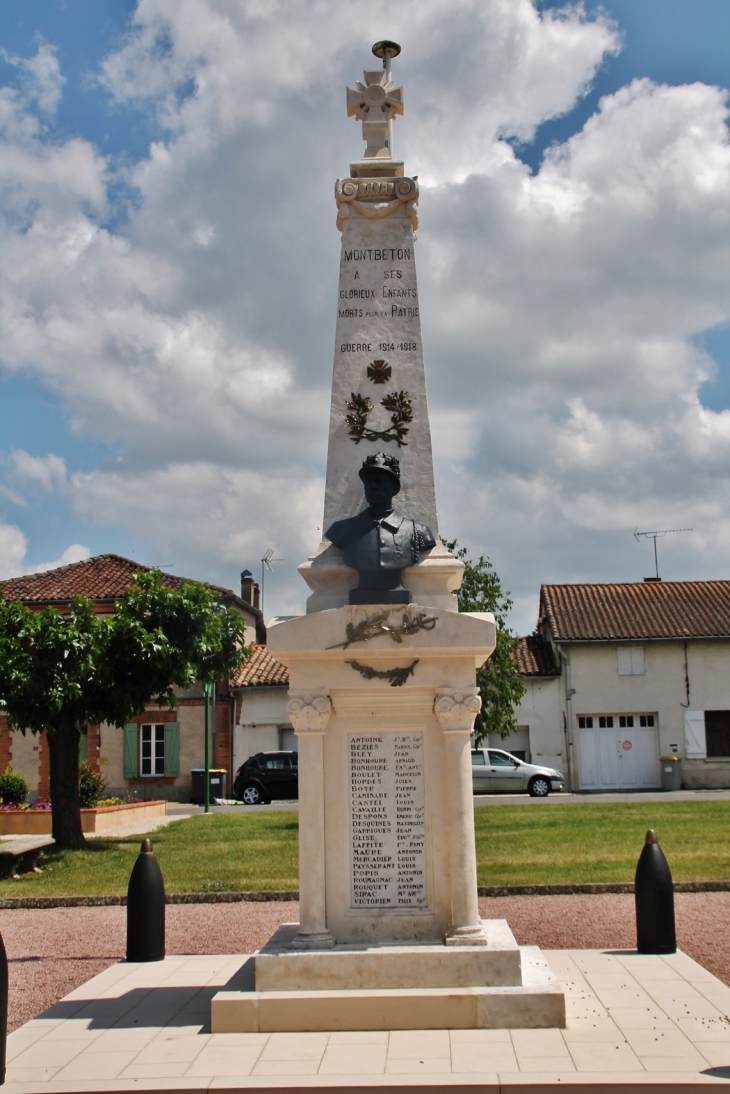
[146,909]
[654,896]
[3,1008]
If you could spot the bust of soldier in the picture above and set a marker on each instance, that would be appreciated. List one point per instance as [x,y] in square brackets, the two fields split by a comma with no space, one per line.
[380,542]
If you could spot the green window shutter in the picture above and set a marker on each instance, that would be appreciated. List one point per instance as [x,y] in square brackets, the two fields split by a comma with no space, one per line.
[84,747]
[172,749]
[131,752]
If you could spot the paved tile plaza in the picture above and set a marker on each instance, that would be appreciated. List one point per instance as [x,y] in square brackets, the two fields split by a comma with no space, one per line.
[632,1020]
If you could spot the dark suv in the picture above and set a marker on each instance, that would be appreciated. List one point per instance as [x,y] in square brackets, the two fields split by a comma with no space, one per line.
[266,776]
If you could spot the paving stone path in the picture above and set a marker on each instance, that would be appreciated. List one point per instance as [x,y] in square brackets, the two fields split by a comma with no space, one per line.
[54,950]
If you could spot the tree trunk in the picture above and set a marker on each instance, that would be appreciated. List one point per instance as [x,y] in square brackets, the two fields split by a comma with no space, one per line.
[63,747]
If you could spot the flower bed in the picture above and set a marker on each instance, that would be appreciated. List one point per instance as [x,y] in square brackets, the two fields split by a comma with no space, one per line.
[37,822]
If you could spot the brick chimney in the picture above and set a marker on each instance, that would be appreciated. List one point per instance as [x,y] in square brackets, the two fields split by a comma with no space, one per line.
[250,591]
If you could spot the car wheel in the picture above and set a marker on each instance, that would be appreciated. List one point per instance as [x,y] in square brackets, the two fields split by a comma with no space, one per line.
[251,795]
[539,787]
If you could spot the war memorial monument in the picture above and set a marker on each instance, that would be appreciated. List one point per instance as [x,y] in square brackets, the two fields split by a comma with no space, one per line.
[383,692]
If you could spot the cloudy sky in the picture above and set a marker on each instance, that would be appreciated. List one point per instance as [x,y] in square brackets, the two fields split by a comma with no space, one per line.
[170,262]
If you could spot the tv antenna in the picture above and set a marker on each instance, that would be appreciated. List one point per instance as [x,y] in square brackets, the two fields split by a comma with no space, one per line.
[266,565]
[655,536]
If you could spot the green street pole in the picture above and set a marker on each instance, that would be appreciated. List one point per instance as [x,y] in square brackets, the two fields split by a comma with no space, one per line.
[206,798]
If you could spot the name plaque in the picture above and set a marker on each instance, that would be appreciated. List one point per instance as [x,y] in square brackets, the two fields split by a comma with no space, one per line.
[387,820]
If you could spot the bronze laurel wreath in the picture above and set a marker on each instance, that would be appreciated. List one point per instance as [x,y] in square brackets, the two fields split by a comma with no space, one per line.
[360,406]
[397,676]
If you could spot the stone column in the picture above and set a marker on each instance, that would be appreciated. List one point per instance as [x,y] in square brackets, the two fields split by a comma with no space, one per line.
[456,711]
[310,713]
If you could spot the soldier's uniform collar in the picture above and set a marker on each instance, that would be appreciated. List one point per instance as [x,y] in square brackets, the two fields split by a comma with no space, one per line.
[392,522]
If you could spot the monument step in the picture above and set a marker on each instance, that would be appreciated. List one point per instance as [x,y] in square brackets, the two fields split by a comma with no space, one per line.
[538,1004]
[388,966]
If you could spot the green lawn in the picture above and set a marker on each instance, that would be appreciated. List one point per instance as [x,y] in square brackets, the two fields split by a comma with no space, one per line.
[516,845]
[220,851]
[552,844]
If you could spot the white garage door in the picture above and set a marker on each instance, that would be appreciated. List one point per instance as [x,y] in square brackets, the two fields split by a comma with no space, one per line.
[618,752]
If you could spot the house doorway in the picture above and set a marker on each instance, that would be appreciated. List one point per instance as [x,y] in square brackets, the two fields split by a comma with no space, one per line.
[618,752]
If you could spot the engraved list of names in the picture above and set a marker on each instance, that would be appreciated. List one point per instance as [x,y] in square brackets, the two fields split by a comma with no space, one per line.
[388,821]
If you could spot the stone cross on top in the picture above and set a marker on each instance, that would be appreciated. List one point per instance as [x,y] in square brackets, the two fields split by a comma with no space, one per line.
[376,102]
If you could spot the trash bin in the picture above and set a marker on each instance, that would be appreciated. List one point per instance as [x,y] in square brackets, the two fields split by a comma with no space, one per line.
[671,772]
[217,784]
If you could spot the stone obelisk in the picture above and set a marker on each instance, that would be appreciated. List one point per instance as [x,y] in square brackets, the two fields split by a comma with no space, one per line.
[378,381]
[383,692]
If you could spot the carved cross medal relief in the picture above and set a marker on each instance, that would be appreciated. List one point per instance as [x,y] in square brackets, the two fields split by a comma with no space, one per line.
[379,372]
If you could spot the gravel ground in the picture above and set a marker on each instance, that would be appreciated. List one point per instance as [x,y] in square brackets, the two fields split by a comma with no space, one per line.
[53,950]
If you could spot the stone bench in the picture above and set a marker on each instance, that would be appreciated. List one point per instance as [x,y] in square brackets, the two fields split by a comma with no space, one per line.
[20,856]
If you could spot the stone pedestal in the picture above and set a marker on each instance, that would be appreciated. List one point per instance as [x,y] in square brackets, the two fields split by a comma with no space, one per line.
[383,701]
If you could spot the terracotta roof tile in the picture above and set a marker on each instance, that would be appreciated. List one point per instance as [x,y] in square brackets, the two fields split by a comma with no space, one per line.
[641,610]
[261,670]
[534,657]
[104,577]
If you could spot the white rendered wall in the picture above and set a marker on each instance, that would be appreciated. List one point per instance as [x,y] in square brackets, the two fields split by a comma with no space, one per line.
[260,714]
[660,690]
[541,710]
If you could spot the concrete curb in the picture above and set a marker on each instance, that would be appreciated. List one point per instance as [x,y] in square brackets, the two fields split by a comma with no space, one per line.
[597,887]
[11,902]
[265,896]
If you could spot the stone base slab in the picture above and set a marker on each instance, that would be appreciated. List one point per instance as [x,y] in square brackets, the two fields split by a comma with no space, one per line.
[538,1004]
[496,964]
[142,1029]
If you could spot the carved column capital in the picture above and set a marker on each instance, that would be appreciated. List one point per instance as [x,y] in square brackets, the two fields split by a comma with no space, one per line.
[456,709]
[309,711]
[376,199]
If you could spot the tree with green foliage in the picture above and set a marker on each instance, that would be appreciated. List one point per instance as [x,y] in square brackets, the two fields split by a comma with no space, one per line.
[499,681]
[59,672]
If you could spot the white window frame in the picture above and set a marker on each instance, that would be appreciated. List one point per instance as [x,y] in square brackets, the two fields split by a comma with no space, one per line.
[630,661]
[155,760]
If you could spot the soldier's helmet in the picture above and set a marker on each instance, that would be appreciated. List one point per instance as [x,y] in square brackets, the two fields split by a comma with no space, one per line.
[382,463]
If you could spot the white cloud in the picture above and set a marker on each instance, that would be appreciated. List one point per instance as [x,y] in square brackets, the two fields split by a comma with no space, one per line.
[13,545]
[560,308]
[473,70]
[42,82]
[48,472]
[75,553]
[212,520]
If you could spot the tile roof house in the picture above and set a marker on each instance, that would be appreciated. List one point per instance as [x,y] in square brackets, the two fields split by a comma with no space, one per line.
[536,658]
[646,674]
[103,579]
[261,670]
[154,754]
[652,610]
